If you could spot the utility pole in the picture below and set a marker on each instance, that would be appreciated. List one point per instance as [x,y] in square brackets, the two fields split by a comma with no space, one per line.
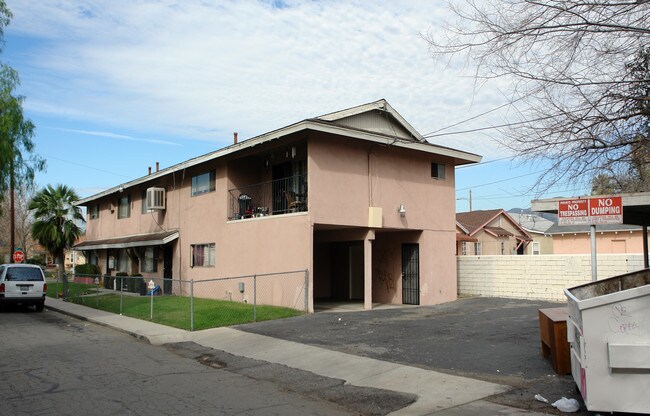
[470,200]
[12,211]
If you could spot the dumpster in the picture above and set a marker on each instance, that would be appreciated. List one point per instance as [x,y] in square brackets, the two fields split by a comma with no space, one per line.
[609,334]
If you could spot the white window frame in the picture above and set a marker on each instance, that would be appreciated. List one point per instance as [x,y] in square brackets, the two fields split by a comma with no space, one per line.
[478,249]
[463,248]
[200,186]
[537,249]
[205,259]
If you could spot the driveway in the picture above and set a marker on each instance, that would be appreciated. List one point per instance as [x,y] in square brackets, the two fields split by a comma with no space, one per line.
[492,339]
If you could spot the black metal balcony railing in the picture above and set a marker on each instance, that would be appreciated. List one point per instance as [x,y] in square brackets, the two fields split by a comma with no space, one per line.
[276,197]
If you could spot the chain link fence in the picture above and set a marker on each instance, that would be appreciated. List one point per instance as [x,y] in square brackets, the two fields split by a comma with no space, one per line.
[192,304]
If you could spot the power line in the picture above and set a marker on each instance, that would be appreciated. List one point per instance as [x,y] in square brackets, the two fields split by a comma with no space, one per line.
[486,162]
[467,119]
[488,128]
[88,167]
[499,181]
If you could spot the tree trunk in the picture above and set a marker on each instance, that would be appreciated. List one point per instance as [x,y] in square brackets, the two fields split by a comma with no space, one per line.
[63,278]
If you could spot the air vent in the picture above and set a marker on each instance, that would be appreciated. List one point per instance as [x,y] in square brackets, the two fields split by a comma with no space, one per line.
[156,198]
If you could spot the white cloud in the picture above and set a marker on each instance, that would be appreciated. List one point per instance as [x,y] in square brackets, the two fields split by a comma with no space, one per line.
[117,136]
[201,71]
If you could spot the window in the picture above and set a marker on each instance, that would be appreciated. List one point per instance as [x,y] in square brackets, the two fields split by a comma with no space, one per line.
[202,255]
[477,248]
[122,261]
[124,207]
[93,211]
[503,248]
[149,262]
[536,248]
[143,201]
[463,248]
[203,183]
[437,170]
[93,258]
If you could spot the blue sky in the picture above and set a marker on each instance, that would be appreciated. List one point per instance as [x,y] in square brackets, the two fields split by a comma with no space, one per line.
[116,86]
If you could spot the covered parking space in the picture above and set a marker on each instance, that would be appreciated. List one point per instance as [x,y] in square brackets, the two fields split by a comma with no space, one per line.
[365,266]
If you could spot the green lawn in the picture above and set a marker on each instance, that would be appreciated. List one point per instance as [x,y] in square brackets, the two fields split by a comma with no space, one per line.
[174,310]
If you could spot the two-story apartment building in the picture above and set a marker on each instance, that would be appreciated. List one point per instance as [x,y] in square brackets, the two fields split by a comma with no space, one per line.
[358,198]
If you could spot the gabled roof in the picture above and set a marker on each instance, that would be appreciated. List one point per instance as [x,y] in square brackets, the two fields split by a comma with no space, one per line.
[474,221]
[393,123]
[361,123]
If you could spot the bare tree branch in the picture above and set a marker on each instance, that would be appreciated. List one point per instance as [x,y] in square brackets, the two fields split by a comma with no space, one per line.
[580,73]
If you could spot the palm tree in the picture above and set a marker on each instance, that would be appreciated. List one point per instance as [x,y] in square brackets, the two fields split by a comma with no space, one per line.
[55,225]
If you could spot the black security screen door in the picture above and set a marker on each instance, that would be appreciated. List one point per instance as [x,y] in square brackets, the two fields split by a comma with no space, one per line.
[410,274]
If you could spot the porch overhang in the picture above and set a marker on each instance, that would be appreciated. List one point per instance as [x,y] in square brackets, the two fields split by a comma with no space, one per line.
[465,237]
[139,240]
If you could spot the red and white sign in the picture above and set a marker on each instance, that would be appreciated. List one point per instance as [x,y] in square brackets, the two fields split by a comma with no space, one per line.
[598,211]
[18,256]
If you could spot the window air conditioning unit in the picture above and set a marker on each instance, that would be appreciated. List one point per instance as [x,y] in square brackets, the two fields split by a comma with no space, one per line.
[156,198]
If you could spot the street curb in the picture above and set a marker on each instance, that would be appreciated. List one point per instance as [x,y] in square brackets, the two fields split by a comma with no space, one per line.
[94,321]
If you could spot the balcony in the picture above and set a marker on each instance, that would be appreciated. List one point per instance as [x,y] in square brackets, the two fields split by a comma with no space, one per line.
[281,196]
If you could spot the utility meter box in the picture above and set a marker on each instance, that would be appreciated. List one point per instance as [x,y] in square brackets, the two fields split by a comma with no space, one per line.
[609,333]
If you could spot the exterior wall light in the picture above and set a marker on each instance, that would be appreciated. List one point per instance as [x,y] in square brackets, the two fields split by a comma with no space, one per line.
[401,210]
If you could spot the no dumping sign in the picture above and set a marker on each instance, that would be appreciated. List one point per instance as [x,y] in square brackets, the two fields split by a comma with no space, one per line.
[596,211]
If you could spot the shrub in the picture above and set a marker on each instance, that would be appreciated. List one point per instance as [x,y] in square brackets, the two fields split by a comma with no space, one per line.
[86,269]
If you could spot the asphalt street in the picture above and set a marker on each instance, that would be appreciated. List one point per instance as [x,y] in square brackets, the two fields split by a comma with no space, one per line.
[52,364]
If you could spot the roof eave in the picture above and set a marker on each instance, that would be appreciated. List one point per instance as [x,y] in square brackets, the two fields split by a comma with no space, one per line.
[458,156]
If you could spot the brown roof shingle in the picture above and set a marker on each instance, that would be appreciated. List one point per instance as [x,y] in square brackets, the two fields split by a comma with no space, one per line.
[474,220]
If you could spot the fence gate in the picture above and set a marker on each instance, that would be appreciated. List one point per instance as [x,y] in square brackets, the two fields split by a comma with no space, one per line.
[410,274]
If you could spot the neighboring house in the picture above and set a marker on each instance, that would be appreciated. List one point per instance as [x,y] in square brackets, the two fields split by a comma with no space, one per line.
[357,198]
[489,232]
[612,238]
[536,226]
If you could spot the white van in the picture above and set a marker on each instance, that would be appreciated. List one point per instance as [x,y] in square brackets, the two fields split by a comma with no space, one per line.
[22,284]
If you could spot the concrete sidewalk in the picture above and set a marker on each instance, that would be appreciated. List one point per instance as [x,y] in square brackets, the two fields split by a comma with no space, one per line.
[438,393]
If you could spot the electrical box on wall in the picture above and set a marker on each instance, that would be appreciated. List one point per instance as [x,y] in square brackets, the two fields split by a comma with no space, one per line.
[375,217]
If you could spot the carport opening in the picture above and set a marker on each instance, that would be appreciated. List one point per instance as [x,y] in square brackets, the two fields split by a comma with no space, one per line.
[338,276]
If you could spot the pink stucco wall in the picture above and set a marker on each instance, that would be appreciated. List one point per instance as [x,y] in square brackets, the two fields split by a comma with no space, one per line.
[345,178]
[606,242]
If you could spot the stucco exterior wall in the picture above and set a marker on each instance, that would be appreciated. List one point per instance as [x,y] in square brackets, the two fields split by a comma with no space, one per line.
[545,244]
[536,277]
[346,177]
[606,242]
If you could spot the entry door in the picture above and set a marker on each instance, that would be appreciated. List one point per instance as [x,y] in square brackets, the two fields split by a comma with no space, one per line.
[411,274]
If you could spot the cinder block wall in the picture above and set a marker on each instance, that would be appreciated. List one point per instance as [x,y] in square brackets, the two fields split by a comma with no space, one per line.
[541,277]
